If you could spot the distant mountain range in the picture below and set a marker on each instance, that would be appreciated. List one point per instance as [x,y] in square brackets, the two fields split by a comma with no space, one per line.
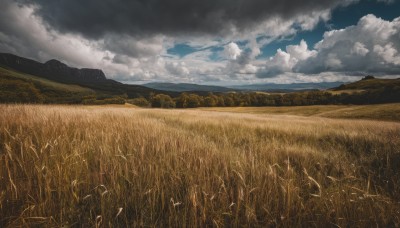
[187,87]
[288,87]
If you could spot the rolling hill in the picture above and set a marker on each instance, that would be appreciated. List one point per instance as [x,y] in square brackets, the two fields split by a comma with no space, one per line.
[16,87]
[368,84]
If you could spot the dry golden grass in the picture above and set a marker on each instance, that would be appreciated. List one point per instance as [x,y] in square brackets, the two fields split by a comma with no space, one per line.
[388,112]
[110,166]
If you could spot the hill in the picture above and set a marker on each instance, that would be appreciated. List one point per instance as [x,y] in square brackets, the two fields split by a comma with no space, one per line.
[369,84]
[16,87]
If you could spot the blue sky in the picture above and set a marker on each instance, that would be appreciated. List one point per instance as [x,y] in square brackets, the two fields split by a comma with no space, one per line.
[213,42]
[341,17]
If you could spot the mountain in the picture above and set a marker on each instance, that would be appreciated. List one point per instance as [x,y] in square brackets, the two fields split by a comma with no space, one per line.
[186,87]
[287,87]
[295,87]
[53,70]
[57,71]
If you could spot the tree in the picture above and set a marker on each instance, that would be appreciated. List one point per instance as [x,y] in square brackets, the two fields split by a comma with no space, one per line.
[194,101]
[182,101]
[141,102]
[162,101]
[210,101]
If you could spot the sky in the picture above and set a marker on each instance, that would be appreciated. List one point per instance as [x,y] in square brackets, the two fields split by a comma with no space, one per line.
[214,42]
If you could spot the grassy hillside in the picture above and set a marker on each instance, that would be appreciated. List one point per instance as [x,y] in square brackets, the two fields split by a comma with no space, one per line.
[370,84]
[109,166]
[16,87]
[8,73]
[389,112]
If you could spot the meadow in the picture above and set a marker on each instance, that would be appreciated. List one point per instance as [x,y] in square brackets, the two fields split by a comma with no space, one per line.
[386,112]
[116,166]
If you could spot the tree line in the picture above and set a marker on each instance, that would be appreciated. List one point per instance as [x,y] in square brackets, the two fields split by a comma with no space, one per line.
[19,91]
[387,94]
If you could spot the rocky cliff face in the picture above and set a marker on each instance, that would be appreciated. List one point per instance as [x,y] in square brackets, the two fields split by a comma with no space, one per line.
[52,69]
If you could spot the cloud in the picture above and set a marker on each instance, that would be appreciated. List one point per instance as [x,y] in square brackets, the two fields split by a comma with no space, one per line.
[232,51]
[388,53]
[122,58]
[133,47]
[285,61]
[177,68]
[359,49]
[132,57]
[94,19]
[23,33]
[129,39]
[372,46]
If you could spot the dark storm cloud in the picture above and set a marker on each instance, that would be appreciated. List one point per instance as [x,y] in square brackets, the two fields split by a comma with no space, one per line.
[93,18]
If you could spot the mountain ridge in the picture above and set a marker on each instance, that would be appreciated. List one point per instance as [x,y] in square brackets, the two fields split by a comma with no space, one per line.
[53,69]
[58,71]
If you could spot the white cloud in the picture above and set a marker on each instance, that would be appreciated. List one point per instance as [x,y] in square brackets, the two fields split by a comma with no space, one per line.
[372,46]
[309,21]
[284,61]
[359,49]
[177,68]
[388,53]
[23,33]
[300,52]
[232,51]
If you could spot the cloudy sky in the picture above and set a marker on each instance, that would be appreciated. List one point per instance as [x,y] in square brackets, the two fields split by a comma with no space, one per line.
[222,42]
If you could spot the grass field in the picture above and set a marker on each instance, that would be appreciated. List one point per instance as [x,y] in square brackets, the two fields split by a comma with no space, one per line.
[121,166]
[388,112]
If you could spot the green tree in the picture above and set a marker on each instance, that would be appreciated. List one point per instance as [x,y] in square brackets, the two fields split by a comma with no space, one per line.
[141,102]
[162,101]
[182,101]
[194,101]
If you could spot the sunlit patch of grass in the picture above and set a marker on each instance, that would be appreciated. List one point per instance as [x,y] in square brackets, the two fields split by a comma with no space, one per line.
[110,166]
[388,112]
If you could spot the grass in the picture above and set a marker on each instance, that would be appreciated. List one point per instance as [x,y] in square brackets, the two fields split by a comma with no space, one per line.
[122,166]
[388,112]
[48,83]
[348,91]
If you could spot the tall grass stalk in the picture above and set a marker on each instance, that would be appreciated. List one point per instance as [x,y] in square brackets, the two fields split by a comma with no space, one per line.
[100,167]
